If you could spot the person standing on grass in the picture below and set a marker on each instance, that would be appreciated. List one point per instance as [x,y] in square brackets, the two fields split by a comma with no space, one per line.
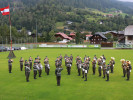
[79,64]
[40,69]
[10,61]
[35,68]
[95,57]
[27,71]
[58,75]
[86,71]
[83,69]
[68,65]
[107,72]
[123,61]
[94,66]
[112,63]
[104,69]
[100,66]
[26,64]
[104,59]
[21,63]
[30,61]
[128,68]
[47,66]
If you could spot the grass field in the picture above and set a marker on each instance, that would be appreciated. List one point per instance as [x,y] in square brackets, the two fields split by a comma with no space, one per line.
[14,86]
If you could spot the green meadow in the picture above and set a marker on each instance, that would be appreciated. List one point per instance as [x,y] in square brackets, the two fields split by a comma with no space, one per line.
[13,86]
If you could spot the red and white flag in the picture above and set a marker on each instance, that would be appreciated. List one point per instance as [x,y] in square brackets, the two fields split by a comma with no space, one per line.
[5,11]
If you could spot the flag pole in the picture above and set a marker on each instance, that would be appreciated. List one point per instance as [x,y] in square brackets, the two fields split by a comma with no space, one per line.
[11,54]
[10,30]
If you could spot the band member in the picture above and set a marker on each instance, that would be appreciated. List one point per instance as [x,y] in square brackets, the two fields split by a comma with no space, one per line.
[112,63]
[58,75]
[40,69]
[27,71]
[26,64]
[86,71]
[104,69]
[35,68]
[107,72]
[68,65]
[100,66]
[83,69]
[30,61]
[94,66]
[123,61]
[128,68]
[10,61]
[21,63]
[95,57]
[79,64]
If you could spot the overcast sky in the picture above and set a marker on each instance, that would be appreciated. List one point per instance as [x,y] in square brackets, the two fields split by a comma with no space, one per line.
[126,0]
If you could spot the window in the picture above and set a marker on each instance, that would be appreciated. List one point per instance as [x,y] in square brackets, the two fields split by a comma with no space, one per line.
[130,37]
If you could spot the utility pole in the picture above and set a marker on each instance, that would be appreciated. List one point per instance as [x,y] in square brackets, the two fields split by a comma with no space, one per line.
[36,33]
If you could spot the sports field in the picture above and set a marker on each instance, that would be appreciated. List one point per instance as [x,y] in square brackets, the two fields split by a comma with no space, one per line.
[14,86]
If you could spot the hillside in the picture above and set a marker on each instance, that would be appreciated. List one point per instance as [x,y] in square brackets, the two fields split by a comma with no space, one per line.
[86,15]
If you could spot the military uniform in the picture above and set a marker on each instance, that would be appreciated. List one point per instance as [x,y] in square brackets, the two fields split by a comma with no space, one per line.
[27,70]
[40,69]
[83,69]
[58,75]
[21,64]
[94,66]
[35,68]
[100,66]
[112,62]
[79,63]
[10,65]
[30,61]
[86,71]
[104,69]
[47,66]
[107,72]
[68,65]
[26,64]
[123,67]
[128,68]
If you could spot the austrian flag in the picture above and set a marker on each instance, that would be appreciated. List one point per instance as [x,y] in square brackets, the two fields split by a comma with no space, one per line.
[5,11]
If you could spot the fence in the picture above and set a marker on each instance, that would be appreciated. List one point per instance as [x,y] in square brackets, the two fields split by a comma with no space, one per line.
[126,46]
[70,46]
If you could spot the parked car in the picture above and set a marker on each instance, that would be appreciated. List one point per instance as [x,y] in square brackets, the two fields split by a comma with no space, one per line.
[3,48]
[23,48]
[17,48]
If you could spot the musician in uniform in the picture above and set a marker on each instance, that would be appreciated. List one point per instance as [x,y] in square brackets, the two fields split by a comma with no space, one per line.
[83,69]
[10,61]
[123,61]
[112,63]
[40,69]
[79,64]
[58,75]
[104,69]
[30,61]
[21,63]
[100,66]
[128,68]
[107,72]
[68,65]
[35,68]
[26,64]
[27,71]
[94,66]
[86,71]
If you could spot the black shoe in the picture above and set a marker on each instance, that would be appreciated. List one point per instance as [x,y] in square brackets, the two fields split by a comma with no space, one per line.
[85,80]
[82,77]
[127,79]
[103,77]
[107,80]
[27,80]
[35,78]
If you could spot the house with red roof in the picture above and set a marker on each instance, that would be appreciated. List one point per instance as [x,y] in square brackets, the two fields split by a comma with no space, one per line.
[63,36]
[72,35]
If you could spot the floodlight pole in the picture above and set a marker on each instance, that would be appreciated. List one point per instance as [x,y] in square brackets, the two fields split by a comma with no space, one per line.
[36,33]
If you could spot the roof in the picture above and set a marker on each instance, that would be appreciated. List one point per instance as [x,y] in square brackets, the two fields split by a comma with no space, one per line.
[129,30]
[88,35]
[64,36]
[72,34]
[101,35]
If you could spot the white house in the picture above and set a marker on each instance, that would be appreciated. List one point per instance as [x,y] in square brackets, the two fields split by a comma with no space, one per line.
[128,33]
